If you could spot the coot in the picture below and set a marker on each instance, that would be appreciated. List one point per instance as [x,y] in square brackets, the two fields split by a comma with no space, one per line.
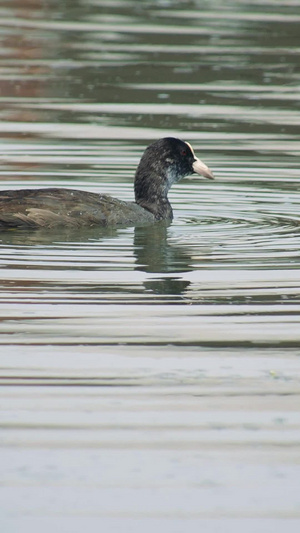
[163,163]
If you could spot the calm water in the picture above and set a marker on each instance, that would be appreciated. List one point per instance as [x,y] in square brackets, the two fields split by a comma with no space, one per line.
[150,376]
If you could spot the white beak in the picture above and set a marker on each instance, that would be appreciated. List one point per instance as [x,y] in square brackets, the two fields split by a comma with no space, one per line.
[200,168]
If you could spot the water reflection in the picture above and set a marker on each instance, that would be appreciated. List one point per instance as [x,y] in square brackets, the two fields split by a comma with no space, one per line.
[152,250]
[154,253]
[56,236]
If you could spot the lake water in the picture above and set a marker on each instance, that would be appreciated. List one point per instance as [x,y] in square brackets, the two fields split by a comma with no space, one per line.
[150,376]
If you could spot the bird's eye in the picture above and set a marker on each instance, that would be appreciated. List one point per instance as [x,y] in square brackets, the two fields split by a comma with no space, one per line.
[183,152]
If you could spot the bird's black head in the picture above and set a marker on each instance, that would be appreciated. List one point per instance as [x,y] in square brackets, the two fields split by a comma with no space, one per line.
[163,163]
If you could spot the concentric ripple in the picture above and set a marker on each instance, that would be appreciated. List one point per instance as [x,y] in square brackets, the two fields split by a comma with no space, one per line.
[248,225]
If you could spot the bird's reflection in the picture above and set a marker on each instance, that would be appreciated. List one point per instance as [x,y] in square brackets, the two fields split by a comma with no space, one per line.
[153,251]
[46,236]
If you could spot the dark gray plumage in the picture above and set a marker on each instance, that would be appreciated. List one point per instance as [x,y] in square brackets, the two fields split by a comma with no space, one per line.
[163,163]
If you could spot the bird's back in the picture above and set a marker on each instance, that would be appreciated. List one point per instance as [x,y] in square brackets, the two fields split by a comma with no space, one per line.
[66,207]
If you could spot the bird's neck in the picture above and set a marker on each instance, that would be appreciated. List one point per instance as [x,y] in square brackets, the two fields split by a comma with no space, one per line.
[161,208]
[151,193]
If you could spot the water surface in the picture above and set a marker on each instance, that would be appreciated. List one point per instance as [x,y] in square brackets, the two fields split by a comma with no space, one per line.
[150,376]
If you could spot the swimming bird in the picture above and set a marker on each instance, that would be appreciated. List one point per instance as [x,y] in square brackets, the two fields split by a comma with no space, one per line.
[163,163]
